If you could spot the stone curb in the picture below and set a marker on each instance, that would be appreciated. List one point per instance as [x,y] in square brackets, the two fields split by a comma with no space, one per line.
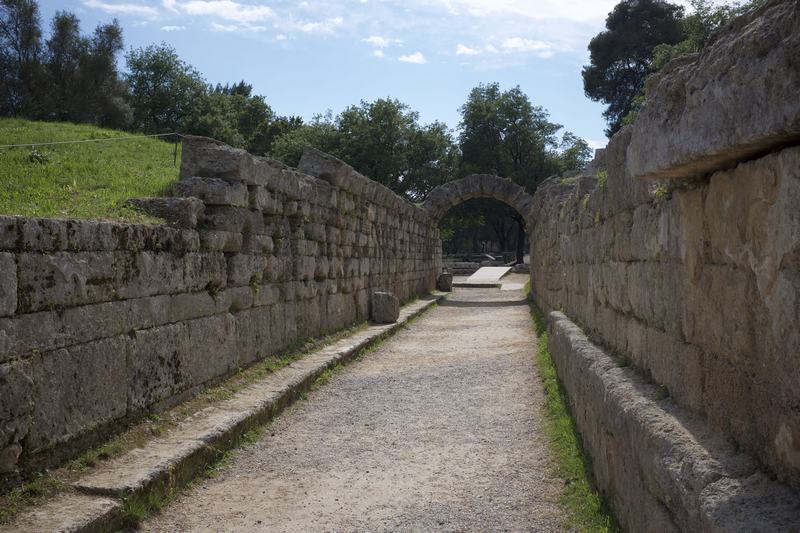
[661,468]
[171,461]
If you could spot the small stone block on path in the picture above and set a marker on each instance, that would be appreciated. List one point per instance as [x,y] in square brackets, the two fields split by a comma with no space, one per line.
[385,307]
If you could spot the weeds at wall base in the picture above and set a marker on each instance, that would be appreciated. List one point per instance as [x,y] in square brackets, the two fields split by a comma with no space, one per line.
[585,508]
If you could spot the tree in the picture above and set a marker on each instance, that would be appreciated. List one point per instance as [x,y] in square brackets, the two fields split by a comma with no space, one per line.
[705,19]
[620,56]
[574,153]
[381,139]
[164,89]
[20,50]
[503,133]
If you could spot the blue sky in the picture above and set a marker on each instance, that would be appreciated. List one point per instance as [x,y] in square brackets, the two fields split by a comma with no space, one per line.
[310,56]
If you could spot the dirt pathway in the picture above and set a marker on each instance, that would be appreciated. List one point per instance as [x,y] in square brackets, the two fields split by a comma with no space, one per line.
[438,429]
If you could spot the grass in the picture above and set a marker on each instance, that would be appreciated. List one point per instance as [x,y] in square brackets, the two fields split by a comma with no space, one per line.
[585,507]
[88,180]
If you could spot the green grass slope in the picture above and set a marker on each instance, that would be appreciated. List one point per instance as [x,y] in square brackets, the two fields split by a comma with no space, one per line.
[87,180]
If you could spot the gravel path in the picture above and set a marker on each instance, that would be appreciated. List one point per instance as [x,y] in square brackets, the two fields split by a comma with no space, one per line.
[437,429]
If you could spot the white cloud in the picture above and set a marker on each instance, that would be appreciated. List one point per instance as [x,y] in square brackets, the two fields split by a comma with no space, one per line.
[378,53]
[224,9]
[281,37]
[463,50]
[416,58]
[572,10]
[377,41]
[520,44]
[173,28]
[123,9]
[326,26]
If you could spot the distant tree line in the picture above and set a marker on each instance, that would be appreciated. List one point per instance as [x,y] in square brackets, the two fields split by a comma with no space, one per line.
[68,76]
[640,38]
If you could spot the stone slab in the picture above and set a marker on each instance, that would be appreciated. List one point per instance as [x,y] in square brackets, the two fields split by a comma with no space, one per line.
[662,468]
[488,274]
[68,513]
[736,100]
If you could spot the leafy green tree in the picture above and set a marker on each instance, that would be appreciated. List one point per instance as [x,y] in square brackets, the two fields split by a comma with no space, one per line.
[321,133]
[503,133]
[381,139]
[164,89]
[706,18]
[20,55]
[620,56]
[574,152]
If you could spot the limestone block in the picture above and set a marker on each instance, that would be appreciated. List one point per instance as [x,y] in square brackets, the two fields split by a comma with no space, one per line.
[8,232]
[16,406]
[244,269]
[266,202]
[156,365]
[444,282]
[736,99]
[385,307]
[213,191]
[220,241]
[180,212]
[212,348]
[253,335]
[8,284]
[231,219]
[208,158]
[324,166]
[78,389]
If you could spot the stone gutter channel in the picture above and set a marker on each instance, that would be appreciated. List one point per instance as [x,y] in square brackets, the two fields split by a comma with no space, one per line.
[172,460]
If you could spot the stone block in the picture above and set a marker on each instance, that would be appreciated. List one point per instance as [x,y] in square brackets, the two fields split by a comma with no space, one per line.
[253,334]
[78,389]
[8,232]
[207,158]
[16,407]
[735,100]
[444,282]
[324,166]
[180,212]
[156,365]
[385,307]
[214,191]
[8,284]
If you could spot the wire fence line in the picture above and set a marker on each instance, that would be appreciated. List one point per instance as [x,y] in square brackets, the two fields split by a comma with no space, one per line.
[82,141]
[79,141]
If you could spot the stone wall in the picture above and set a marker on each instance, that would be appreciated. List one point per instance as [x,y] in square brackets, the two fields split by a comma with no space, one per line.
[695,281]
[101,322]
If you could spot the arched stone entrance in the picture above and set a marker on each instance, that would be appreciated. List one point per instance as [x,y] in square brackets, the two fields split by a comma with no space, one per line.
[446,196]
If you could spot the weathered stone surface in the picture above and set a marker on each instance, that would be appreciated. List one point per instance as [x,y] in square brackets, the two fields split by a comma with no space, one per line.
[71,513]
[8,284]
[16,406]
[662,469]
[324,166]
[736,100]
[207,158]
[384,307]
[181,212]
[77,389]
[214,191]
[452,193]
[444,282]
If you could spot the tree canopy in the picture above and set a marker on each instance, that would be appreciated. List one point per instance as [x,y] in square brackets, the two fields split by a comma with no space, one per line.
[620,56]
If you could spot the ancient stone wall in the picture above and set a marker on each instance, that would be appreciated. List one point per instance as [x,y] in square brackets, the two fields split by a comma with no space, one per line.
[101,321]
[694,281]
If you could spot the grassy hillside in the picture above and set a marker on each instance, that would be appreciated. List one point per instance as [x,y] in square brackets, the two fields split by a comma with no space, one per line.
[88,180]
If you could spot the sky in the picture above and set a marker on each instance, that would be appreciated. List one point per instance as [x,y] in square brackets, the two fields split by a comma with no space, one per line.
[316,55]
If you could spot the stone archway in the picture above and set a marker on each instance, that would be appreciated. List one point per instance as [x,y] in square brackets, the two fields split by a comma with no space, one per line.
[452,193]
[444,197]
